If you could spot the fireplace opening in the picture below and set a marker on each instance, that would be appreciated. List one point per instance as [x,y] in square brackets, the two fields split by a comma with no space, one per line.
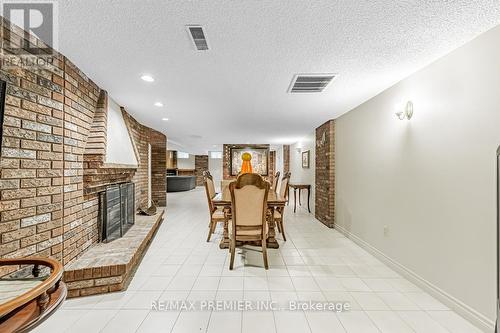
[117,211]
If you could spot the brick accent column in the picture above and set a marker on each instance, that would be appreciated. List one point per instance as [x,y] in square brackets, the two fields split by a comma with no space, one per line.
[158,167]
[226,164]
[272,165]
[325,173]
[286,158]
[200,166]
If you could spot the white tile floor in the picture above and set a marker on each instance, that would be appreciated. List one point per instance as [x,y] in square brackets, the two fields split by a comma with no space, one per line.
[316,263]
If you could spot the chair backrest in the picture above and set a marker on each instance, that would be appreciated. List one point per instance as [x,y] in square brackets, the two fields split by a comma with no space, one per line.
[284,185]
[249,201]
[275,181]
[210,190]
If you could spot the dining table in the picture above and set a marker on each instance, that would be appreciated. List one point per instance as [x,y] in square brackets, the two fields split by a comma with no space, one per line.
[223,200]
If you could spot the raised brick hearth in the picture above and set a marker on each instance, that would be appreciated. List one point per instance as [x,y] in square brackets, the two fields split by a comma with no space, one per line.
[108,267]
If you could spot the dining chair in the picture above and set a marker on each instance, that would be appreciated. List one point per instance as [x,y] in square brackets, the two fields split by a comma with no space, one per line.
[280,212]
[249,213]
[275,181]
[215,214]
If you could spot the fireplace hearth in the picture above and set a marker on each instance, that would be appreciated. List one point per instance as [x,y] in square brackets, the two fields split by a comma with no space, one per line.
[117,211]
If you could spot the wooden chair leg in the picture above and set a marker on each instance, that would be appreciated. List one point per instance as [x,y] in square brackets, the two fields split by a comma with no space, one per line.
[264,253]
[210,230]
[279,227]
[232,249]
[282,229]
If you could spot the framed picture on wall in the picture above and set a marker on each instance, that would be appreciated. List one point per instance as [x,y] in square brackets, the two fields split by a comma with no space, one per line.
[260,158]
[305,159]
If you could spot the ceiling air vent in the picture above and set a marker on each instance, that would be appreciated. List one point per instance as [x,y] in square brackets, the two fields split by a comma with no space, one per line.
[310,83]
[198,37]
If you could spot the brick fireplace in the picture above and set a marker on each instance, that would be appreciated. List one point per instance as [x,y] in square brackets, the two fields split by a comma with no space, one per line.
[53,165]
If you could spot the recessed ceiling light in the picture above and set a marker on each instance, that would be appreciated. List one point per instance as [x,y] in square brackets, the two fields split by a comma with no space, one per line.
[159,104]
[147,78]
[164,119]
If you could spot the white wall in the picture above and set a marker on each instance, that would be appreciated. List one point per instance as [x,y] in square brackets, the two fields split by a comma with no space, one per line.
[119,149]
[279,157]
[303,175]
[431,180]
[186,163]
[215,168]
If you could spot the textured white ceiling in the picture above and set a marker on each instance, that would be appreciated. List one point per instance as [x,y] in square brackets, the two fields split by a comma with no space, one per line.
[237,91]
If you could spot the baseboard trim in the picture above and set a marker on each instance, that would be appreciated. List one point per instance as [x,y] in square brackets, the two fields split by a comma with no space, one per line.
[476,318]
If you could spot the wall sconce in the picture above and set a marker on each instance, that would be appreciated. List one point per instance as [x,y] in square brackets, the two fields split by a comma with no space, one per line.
[407,113]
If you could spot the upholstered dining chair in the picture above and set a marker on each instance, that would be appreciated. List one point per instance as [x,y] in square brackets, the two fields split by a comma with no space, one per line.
[279,212]
[276,178]
[249,213]
[216,215]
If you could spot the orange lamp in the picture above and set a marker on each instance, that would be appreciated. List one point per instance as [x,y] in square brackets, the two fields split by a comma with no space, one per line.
[246,166]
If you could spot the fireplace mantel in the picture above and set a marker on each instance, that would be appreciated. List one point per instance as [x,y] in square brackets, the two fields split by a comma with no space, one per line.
[97,172]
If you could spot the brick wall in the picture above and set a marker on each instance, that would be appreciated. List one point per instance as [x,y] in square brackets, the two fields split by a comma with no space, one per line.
[226,157]
[142,137]
[31,179]
[325,173]
[286,158]
[80,102]
[200,166]
[53,127]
